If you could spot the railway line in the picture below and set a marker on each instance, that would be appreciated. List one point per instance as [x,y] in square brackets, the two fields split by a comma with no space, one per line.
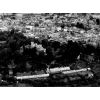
[55,77]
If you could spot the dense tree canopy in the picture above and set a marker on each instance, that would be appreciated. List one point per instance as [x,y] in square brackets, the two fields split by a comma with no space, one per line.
[33,54]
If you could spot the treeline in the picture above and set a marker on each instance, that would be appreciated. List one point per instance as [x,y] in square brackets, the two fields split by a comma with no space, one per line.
[30,54]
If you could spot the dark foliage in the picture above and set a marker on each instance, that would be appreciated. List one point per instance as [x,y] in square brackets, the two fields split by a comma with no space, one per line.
[98,21]
[17,48]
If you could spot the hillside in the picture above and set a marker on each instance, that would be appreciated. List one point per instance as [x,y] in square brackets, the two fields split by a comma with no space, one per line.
[31,43]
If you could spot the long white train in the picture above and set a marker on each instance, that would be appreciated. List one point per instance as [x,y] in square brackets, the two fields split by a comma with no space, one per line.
[54,71]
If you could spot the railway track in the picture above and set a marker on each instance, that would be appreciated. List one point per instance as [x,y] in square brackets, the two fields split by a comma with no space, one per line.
[58,77]
[63,76]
